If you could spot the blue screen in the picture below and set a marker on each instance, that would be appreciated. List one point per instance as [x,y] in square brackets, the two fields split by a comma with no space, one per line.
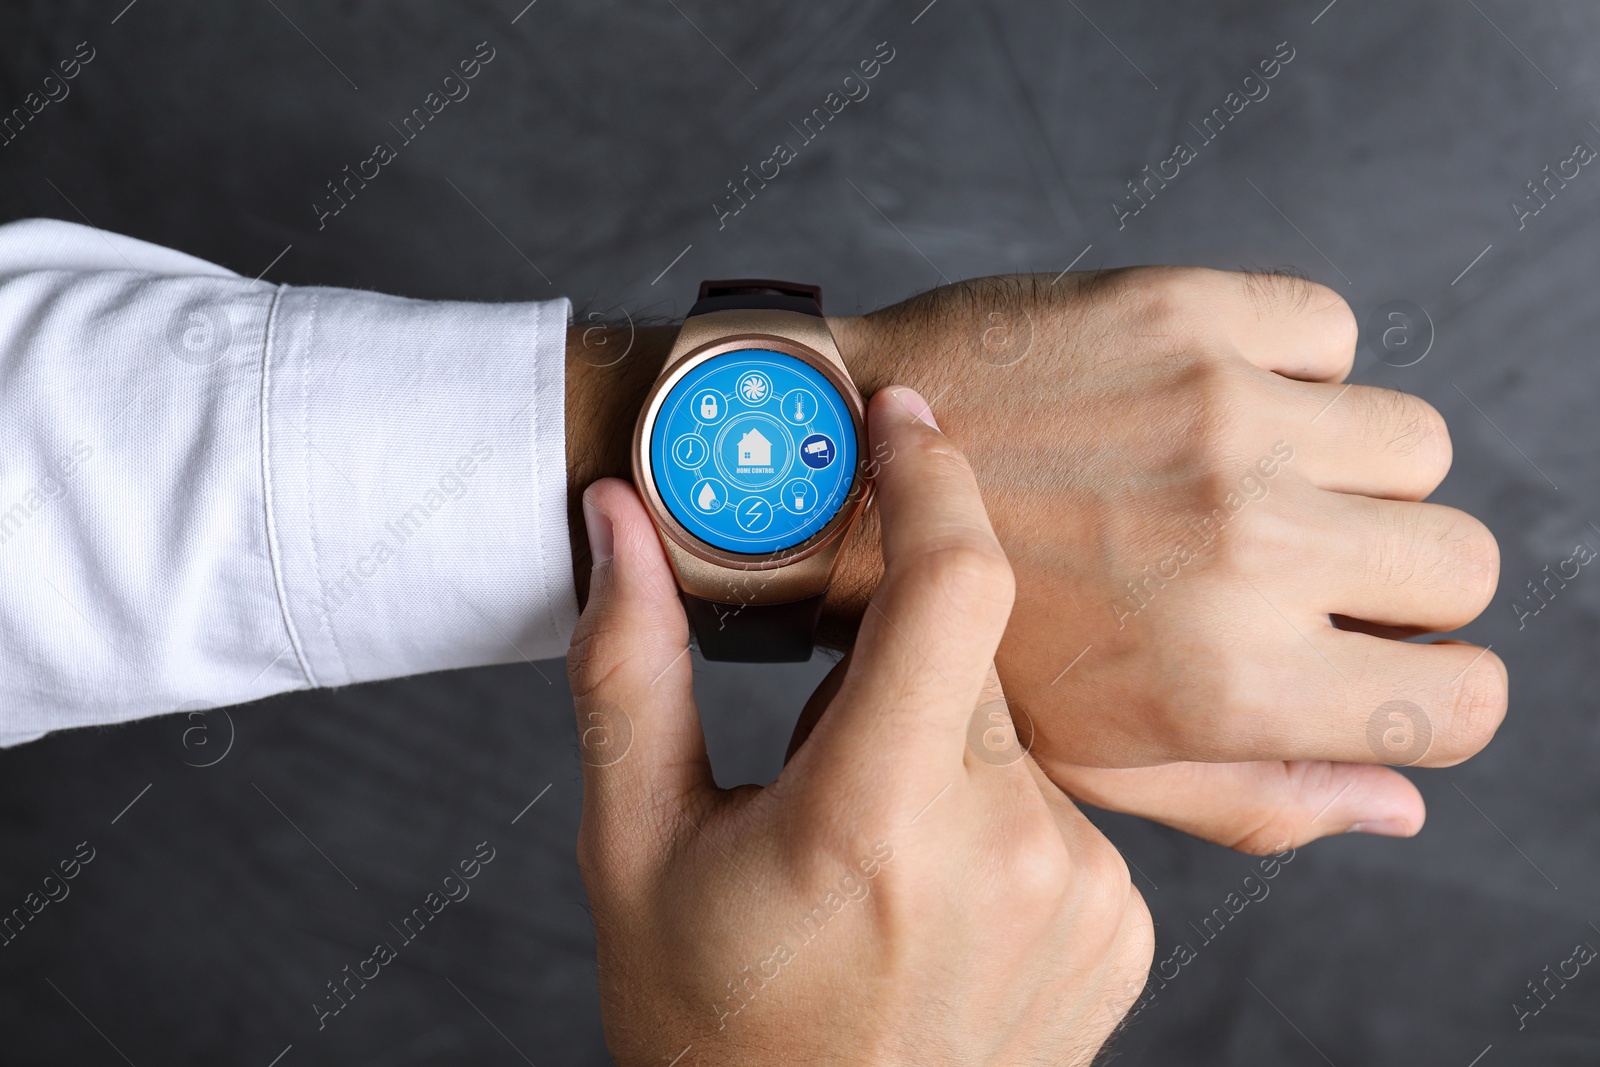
[753,451]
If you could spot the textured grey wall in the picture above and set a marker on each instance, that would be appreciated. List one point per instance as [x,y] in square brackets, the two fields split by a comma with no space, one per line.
[998,137]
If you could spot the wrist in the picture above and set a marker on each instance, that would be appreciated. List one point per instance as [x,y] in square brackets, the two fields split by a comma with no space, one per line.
[873,362]
[867,351]
[608,372]
[610,369]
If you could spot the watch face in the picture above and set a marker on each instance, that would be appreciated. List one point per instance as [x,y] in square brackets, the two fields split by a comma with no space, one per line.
[753,451]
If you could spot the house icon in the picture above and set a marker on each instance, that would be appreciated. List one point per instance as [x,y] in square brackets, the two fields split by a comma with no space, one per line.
[755,450]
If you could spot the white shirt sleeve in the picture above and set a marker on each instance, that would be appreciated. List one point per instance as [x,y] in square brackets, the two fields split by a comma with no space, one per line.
[214,489]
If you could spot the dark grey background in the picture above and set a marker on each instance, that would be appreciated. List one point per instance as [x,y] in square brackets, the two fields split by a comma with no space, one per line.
[595,144]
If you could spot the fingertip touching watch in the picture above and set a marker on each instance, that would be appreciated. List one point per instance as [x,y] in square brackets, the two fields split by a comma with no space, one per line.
[747,455]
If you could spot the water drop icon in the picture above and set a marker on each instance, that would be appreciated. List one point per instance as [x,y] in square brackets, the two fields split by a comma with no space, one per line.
[707,498]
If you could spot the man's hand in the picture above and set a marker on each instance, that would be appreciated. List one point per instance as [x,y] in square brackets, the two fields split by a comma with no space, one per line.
[894,896]
[1215,544]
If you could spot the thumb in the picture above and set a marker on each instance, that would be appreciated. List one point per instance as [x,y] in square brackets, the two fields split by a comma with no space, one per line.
[638,729]
[1259,808]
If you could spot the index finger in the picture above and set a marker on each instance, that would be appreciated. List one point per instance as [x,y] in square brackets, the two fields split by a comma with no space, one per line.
[1294,327]
[1280,322]
[932,626]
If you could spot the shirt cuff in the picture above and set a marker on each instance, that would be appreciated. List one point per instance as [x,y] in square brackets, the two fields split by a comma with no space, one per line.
[414,462]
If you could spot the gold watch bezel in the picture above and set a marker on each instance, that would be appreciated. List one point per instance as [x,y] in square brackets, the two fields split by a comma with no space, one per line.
[713,573]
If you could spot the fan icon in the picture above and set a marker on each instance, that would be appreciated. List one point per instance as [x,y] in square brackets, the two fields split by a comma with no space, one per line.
[754,388]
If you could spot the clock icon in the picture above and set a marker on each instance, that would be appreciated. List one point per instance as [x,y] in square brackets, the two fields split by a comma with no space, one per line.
[690,451]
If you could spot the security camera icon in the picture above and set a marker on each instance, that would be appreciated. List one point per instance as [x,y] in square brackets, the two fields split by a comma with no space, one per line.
[817,451]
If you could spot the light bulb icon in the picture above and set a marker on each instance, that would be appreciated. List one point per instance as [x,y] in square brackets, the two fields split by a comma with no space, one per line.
[797,496]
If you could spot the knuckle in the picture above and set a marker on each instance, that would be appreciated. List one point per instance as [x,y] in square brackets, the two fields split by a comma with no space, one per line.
[1478,705]
[1041,870]
[603,861]
[1278,294]
[1274,293]
[1341,331]
[968,571]
[934,451]
[1197,412]
[1137,940]
[1171,298]
[1410,428]
[1407,539]
[930,458]
[592,860]
[1165,302]
[1440,548]
[1248,537]
[1472,558]
[1103,882]
[1271,832]
[590,658]
[1391,559]
[1216,395]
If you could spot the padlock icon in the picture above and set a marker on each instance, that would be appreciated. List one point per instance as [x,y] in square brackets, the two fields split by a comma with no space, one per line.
[708,406]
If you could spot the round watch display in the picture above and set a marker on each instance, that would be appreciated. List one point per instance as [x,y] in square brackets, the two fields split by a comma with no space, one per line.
[753,451]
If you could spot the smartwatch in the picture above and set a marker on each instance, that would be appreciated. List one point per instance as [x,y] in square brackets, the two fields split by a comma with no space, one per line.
[747,455]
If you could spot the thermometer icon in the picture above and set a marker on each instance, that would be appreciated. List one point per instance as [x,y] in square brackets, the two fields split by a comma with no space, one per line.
[799,406]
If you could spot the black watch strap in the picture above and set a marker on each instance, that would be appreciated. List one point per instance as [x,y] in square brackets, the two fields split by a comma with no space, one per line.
[755,633]
[760,294]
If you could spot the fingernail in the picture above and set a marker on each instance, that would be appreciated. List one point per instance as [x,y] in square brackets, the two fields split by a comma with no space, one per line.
[602,540]
[914,403]
[1382,828]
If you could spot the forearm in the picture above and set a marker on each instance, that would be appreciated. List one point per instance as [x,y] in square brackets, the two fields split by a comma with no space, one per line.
[609,371]
[215,489]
